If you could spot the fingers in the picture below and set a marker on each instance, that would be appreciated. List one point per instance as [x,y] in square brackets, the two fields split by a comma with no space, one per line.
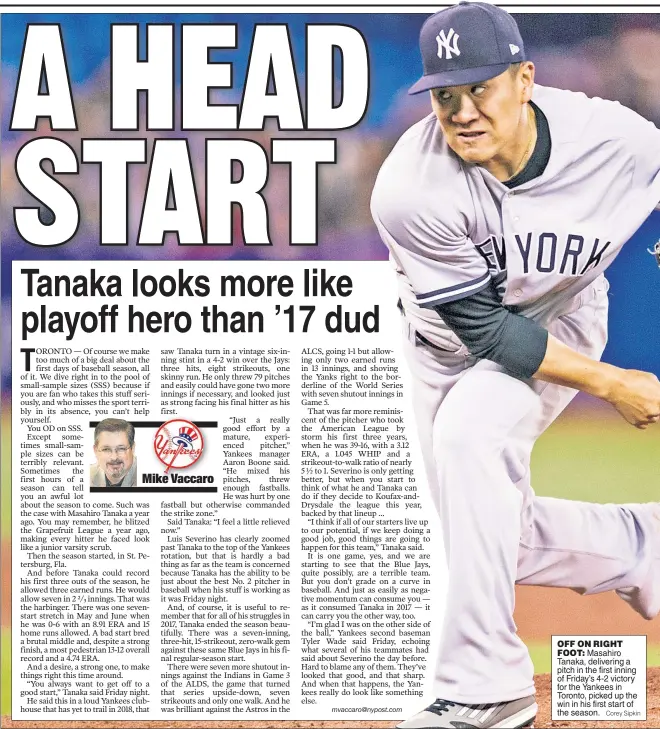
[637,398]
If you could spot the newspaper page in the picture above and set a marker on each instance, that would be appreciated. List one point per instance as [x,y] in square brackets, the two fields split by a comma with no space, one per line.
[250,475]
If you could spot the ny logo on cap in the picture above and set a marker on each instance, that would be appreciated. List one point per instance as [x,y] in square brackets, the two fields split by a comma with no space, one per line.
[448,42]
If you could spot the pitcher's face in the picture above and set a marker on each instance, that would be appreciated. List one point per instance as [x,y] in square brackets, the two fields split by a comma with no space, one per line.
[482,121]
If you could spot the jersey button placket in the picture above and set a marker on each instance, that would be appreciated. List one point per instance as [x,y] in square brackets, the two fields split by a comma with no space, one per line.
[508,196]
[507,207]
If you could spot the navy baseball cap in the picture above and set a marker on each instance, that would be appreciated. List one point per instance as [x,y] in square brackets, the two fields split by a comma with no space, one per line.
[467,43]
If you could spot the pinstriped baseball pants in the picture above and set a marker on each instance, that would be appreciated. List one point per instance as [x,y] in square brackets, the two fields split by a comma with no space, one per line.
[477,427]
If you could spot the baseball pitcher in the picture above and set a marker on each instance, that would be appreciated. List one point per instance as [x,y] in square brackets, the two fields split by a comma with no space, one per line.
[501,211]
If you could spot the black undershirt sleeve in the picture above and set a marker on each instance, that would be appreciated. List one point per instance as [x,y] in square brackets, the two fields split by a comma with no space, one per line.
[490,331]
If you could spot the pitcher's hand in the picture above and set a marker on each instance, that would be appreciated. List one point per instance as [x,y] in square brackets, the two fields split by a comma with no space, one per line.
[636,395]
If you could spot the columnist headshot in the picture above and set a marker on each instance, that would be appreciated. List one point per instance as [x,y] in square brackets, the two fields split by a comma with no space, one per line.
[114,448]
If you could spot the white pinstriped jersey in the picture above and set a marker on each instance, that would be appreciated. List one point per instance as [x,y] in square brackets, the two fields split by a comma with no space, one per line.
[452,227]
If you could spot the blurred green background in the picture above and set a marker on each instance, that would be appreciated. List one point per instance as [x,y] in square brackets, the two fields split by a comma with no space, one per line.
[592,454]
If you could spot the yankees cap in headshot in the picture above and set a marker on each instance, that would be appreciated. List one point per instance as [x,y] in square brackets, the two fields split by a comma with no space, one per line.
[467,43]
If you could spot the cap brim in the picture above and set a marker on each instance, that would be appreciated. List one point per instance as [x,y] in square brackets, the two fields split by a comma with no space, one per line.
[457,78]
